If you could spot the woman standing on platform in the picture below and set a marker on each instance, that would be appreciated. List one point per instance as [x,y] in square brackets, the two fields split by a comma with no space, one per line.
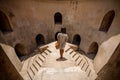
[62,39]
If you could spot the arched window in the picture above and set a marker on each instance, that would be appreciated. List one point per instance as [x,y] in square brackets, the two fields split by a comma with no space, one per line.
[20,50]
[58,18]
[76,39]
[5,26]
[107,21]
[40,40]
[56,35]
[93,49]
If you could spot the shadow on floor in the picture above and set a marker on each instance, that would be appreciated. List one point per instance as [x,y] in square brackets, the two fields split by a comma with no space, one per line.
[61,59]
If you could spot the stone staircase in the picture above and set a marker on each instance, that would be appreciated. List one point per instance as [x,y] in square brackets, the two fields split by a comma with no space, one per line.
[81,61]
[32,65]
[44,65]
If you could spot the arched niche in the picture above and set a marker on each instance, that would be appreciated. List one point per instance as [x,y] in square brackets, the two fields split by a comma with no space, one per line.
[58,18]
[107,21]
[20,50]
[40,40]
[76,39]
[5,25]
[93,49]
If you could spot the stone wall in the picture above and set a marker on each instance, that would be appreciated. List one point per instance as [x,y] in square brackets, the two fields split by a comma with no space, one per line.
[10,65]
[111,70]
[105,52]
[32,17]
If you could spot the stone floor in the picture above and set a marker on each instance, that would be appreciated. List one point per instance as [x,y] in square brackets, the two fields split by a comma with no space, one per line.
[48,66]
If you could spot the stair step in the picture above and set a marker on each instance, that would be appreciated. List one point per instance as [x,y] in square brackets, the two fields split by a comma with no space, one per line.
[83,65]
[77,58]
[37,63]
[32,69]
[86,68]
[73,54]
[29,75]
[41,58]
[80,61]
[49,50]
[31,61]
[86,59]
[43,55]
[67,49]
[35,66]
[35,57]
[89,73]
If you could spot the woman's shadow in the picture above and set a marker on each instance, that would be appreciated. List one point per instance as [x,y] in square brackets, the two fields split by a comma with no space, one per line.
[61,59]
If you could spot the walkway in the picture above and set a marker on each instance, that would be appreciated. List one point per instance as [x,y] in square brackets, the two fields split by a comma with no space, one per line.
[48,66]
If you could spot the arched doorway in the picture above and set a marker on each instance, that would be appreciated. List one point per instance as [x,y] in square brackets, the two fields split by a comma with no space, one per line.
[93,49]
[40,40]
[5,26]
[107,21]
[56,36]
[20,50]
[76,39]
[58,18]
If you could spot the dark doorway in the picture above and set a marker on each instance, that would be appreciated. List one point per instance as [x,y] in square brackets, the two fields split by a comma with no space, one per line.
[5,26]
[56,36]
[107,21]
[58,18]
[76,39]
[20,50]
[40,40]
[93,49]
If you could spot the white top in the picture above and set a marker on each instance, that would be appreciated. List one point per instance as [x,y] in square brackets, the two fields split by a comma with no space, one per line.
[62,39]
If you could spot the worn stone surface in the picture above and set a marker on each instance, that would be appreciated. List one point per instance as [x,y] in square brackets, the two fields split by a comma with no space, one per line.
[32,17]
[53,68]
[111,70]
[9,63]
[28,18]
[105,52]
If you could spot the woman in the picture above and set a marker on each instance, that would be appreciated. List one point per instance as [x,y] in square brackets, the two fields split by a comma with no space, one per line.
[62,39]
